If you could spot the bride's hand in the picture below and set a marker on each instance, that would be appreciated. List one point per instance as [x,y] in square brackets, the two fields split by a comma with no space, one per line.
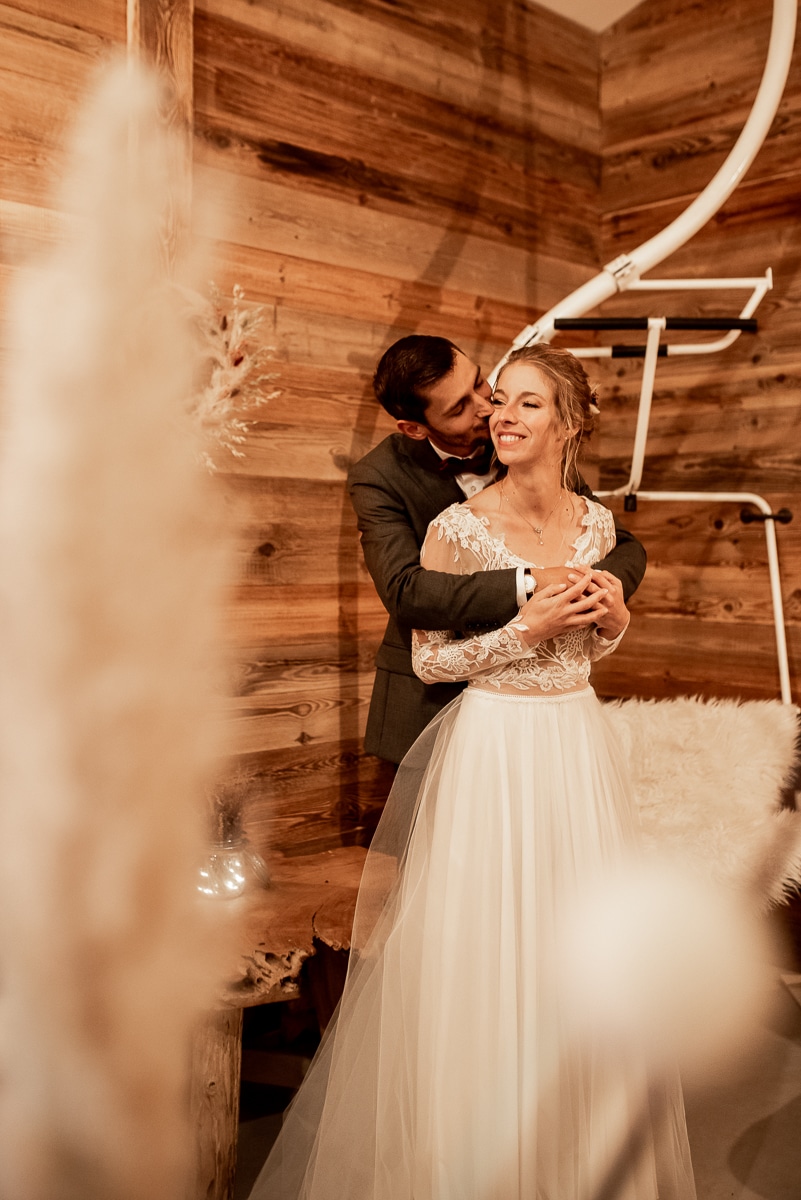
[559,607]
[617,615]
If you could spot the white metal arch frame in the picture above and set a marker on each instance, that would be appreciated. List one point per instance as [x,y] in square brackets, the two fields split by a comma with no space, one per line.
[624,273]
[619,274]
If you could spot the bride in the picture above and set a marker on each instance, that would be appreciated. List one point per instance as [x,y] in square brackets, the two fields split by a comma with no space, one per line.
[451,1070]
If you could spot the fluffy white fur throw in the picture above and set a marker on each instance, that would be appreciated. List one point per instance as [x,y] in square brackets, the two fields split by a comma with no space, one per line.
[708,777]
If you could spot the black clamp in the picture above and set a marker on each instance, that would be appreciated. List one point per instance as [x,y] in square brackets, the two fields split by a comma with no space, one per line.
[630,502]
[748,516]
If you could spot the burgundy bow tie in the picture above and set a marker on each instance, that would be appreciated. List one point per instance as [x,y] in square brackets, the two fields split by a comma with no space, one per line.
[478,465]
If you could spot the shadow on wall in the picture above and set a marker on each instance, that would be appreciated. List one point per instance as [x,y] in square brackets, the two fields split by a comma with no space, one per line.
[504,26]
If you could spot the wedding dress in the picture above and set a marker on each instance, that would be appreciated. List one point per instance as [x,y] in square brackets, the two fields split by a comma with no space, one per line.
[452,1069]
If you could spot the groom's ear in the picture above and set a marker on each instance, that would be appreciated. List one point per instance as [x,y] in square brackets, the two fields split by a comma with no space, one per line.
[413,429]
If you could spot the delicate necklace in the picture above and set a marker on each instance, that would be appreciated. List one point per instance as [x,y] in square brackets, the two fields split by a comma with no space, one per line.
[538,529]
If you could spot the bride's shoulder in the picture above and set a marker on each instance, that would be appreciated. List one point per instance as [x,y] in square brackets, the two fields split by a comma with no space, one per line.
[456,520]
[597,527]
[597,514]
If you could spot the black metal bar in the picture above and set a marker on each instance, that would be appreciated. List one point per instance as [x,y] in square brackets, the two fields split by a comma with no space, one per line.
[748,516]
[744,324]
[636,352]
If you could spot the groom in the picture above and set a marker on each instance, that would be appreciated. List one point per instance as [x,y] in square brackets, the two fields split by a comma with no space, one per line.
[439,456]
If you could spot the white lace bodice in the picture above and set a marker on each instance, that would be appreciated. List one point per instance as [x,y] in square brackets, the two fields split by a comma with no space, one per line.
[460,542]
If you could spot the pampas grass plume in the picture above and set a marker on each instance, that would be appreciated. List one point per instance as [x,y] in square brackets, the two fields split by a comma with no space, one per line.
[659,957]
[112,567]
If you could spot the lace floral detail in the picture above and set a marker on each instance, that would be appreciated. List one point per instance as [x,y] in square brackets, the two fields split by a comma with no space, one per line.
[442,658]
[597,537]
[465,530]
[500,657]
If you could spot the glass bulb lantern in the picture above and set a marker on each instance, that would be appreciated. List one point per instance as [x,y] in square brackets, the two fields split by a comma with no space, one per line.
[230,869]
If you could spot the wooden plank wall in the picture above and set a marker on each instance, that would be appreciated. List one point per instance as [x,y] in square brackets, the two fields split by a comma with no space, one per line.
[48,54]
[386,169]
[389,169]
[438,168]
[676,90]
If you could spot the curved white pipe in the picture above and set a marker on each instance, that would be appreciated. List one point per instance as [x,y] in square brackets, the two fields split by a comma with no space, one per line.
[742,153]
[617,275]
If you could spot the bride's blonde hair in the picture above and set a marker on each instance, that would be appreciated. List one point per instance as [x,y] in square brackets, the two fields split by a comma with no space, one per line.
[576,401]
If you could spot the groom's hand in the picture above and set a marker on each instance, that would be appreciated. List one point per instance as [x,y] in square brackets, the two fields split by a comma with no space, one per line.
[555,609]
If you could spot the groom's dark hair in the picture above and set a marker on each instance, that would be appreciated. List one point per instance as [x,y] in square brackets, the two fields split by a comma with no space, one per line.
[409,366]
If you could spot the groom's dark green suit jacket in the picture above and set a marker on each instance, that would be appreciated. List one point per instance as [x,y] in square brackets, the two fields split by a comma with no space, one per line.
[397,491]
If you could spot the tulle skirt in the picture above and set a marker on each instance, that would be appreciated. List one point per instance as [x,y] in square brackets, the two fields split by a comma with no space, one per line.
[453,1069]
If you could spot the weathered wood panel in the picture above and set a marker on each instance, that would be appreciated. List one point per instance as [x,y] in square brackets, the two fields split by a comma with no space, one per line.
[674,656]
[676,89]
[306,790]
[437,168]
[480,56]
[160,35]
[214,1102]
[48,58]
[386,170]
[447,163]
[302,284]
[105,19]
[271,215]
[46,62]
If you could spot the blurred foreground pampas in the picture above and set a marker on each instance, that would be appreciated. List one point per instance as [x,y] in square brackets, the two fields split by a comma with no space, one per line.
[112,569]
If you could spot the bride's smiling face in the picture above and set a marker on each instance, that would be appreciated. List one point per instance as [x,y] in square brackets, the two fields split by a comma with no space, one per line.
[525,425]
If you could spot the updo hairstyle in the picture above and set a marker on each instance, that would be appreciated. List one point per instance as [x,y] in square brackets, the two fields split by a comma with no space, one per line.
[575,398]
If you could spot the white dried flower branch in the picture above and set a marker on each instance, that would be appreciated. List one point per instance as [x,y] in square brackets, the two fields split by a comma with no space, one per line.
[232,380]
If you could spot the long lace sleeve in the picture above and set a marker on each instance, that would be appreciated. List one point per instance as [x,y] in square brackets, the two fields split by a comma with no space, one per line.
[442,656]
[439,657]
[599,647]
